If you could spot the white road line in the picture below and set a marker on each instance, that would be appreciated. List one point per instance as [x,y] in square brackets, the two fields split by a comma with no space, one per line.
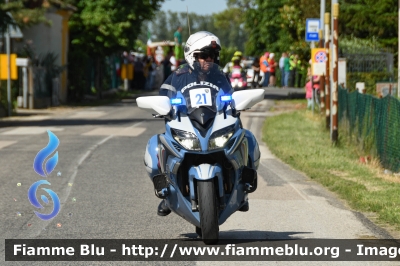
[67,191]
[31,130]
[5,143]
[87,114]
[131,131]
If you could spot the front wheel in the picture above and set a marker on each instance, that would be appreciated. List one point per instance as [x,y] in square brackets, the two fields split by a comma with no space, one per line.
[208,211]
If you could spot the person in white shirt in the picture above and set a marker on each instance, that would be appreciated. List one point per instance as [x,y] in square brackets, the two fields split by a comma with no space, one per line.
[282,68]
[172,60]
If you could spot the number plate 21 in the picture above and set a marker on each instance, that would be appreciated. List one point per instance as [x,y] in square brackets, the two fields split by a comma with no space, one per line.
[200,97]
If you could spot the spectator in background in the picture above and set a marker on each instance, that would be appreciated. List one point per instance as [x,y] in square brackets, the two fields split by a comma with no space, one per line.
[293,67]
[178,43]
[312,88]
[167,65]
[159,55]
[129,59]
[272,66]
[149,68]
[138,77]
[174,62]
[309,92]
[265,68]
[286,68]
[256,72]
[316,89]
[300,72]
[282,68]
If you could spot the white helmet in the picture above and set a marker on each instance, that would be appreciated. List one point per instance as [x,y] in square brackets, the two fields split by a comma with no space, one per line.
[202,41]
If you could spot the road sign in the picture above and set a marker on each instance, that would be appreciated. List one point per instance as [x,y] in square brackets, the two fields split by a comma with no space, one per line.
[312,28]
[319,58]
[15,32]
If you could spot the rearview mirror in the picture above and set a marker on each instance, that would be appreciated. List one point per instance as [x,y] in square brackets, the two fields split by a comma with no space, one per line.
[247,98]
[160,104]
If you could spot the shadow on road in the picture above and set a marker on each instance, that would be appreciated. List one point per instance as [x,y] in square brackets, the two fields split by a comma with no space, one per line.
[244,236]
[71,122]
[284,94]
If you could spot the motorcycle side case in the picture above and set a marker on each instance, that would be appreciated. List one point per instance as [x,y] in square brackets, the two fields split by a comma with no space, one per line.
[150,157]
[254,150]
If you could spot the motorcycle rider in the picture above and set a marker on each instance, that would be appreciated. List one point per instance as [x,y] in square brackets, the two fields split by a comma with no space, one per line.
[237,71]
[228,67]
[202,56]
[202,70]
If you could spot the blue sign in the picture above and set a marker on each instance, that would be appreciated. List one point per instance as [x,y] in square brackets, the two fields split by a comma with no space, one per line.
[312,28]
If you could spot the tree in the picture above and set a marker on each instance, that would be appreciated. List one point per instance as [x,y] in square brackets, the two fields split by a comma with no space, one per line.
[264,23]
[27,13]
[230,23]
[104,27]
[367,19]
[160,27]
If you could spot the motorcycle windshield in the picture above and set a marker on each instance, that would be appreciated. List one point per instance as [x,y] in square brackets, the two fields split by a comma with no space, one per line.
[208,84]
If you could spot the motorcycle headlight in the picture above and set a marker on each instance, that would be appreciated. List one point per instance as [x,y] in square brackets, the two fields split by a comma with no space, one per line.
[219,138]
[240,84]
[186,139]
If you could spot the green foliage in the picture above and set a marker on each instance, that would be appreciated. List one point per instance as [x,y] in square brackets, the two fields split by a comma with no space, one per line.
[5,20]
[264,24]
[367,18]
[80,71]
[103,27]
[27,13]
[139,46]
[226,55]
[336,167]
[227,25]
[279,25]
[98,29]
[352,44]
[47,62]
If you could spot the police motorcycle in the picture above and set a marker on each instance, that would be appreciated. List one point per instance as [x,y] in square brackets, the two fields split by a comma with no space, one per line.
[237,79]
[205,163]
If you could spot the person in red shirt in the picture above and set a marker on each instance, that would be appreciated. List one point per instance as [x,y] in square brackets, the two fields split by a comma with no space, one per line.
[272,67]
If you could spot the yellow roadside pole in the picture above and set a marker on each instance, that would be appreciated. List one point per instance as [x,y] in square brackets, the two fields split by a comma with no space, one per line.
[335,92]
[126,74]
[327,73]
[322,78]
[127,71]
[13,67]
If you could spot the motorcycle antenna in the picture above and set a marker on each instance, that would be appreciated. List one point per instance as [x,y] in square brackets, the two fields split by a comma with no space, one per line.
[187,14]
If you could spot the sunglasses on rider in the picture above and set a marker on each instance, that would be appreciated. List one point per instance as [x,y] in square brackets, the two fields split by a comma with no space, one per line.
[204,56]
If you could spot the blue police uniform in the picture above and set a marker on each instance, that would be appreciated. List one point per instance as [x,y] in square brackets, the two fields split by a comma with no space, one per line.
[185,78]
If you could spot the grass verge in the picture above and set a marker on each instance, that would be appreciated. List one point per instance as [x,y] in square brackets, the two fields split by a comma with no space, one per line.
[300,139]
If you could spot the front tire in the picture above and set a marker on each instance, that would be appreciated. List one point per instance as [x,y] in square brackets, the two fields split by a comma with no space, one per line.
[208,211]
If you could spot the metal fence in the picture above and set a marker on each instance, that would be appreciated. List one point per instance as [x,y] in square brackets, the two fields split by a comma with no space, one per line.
[374,124]
[382,62]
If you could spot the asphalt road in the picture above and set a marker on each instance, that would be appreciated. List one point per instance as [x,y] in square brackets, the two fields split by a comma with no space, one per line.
[105,192]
